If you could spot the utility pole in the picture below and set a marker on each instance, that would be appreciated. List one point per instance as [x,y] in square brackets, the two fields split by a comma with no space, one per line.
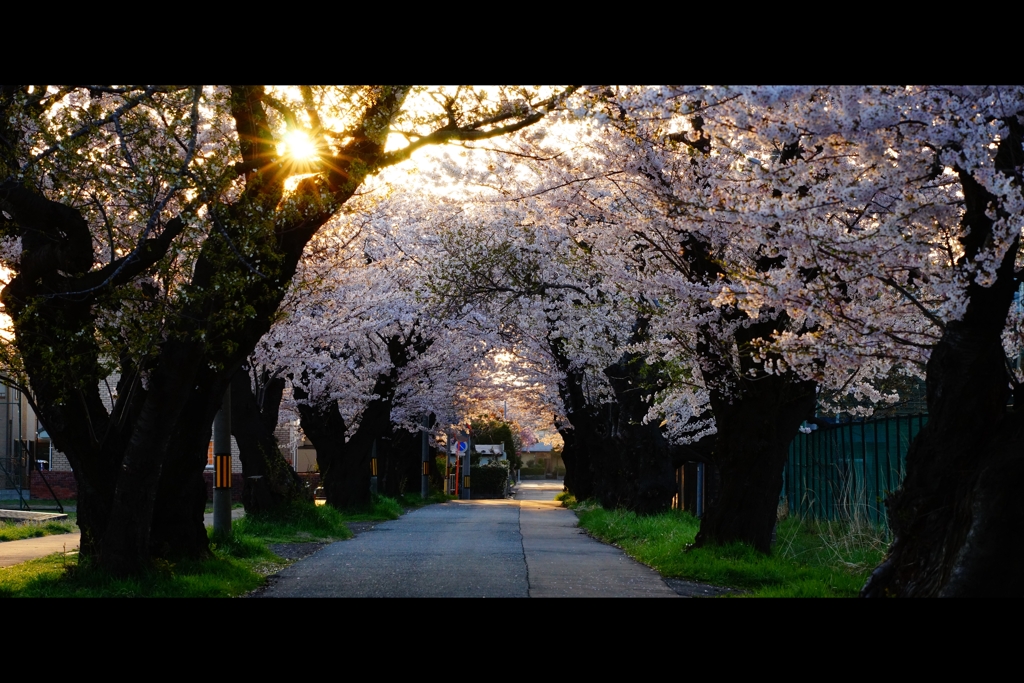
[425,458]
[222,467]
[373,468]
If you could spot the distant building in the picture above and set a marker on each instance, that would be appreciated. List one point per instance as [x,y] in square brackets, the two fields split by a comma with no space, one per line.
[490,452]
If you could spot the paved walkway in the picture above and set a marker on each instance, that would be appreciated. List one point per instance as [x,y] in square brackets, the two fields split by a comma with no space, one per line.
[527,547]
[564,562]
[16,552]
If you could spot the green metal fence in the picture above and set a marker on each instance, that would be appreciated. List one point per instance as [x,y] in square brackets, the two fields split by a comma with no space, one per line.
[845,471]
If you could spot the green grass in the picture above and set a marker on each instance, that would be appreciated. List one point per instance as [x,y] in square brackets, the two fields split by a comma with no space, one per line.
[300,522]
[809,559]
[17,531]
[235,568]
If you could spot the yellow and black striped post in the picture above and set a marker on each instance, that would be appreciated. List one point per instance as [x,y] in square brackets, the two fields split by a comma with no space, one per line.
[222,471]
[425,458]
[373,468]
[222,468]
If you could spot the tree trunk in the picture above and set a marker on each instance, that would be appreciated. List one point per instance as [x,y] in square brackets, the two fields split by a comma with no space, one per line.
[750,451]
[399,469]
[958,518]
[348,486]
[345,465]
[269,483]
[579,433]
[645,483]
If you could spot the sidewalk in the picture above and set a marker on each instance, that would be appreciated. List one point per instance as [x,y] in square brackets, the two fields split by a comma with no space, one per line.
[16,552]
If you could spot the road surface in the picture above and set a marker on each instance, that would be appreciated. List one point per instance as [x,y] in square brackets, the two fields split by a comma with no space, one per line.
[527,547]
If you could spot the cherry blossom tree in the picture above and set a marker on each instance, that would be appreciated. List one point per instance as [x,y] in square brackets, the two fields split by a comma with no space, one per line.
[370,359]
[822,236]
[154,230]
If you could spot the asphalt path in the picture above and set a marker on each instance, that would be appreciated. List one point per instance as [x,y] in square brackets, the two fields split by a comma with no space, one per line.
[527,547]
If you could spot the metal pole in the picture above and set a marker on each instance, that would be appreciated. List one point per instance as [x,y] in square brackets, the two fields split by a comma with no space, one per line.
[222,467]
[700,490]
[425,452]
[465,468]
[373,468]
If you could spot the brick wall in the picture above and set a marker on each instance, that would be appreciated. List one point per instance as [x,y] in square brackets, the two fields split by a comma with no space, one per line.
[236,486]
[64,485]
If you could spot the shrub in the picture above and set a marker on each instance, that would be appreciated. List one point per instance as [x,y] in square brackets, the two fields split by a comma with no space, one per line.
[489,481]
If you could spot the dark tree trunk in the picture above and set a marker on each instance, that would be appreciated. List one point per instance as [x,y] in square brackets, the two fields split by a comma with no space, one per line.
[645,483]
[958,519]
[750,451]
[609,454]
[573,483]
[399,467]
[325,429]
[269,483]
[347,482]
[578,434]
[345,467]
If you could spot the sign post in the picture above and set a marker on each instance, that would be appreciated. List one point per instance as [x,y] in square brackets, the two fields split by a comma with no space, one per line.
[466,449]
[222,468]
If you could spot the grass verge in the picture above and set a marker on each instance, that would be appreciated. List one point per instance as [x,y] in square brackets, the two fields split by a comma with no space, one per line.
[238,565]
[235,568]
[298,523]
[809,559]
[18,531]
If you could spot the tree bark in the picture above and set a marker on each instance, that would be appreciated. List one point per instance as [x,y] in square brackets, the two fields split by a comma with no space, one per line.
[399,468]
[645,483]
[579,433]
[609,454]
[958,518]
[269,482]
[345,464]
[750,451]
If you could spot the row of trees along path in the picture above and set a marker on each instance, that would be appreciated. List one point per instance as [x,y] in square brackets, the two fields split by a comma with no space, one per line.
[675,274]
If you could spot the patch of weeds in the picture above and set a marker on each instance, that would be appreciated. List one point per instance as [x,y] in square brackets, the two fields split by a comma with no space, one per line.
[296,523]
[567,499]
[809,560]
[386,508]
[222,575]
[17,531]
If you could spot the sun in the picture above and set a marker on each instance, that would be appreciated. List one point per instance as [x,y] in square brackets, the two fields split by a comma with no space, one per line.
[299,147]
